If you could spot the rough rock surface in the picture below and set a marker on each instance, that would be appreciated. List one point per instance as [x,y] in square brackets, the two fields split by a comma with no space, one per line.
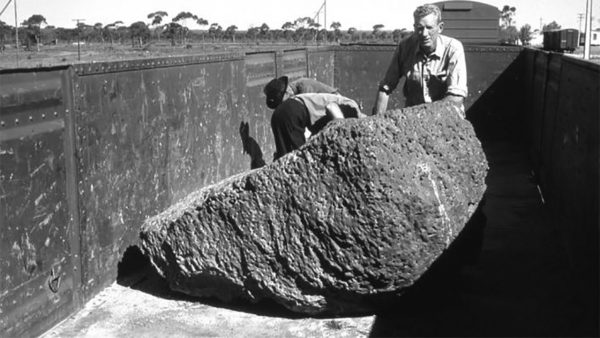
[362,210]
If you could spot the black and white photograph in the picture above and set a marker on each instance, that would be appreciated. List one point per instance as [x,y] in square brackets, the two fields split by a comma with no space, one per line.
[318,168]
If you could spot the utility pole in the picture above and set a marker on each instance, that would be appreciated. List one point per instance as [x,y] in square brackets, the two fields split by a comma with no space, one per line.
[325,12]
[78,39]
[17,32]
[588,30]
[580,18]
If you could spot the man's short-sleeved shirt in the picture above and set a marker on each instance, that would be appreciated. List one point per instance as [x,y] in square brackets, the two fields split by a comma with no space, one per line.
[428,78]
[307,85]
[316,103]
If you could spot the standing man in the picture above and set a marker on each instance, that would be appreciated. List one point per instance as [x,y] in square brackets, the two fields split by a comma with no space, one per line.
[433,64]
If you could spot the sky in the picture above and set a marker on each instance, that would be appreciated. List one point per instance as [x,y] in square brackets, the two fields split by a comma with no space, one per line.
[363,15]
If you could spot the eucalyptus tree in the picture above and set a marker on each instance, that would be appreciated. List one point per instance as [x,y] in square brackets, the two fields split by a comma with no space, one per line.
[352,33]
[264,30]
[507,16]
[525,34]
[336,29]
[202,22]
[110,29]
[172,30]
[33,28]
[252,33]
[377,30]
[551,26]
[5,30]
[183,17]
[139,32]
[302,25]
[230,32]
[157,19]
[215,31]
[98,30]
[288,29]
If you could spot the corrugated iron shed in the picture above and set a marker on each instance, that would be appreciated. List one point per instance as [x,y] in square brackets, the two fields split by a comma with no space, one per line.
[471,22]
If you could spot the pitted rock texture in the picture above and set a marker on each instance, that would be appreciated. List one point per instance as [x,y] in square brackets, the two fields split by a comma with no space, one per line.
[360,211]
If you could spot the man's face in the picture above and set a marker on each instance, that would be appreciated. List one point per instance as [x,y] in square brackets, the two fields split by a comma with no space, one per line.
[427,29]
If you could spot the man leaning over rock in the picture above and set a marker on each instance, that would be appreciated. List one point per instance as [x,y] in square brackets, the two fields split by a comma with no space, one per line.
[296,109]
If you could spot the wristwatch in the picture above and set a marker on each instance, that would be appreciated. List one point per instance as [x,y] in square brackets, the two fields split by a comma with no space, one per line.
[385,88]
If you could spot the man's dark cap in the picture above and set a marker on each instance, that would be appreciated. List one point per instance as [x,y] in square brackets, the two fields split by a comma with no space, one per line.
[274,90]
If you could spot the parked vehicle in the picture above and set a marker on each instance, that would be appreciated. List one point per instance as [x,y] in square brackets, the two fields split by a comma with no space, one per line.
[561,40]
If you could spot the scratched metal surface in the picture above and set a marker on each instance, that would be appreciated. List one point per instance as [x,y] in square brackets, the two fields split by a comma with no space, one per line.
[149,137]
[358,70]
[36,278]
[321,64]
[295,63]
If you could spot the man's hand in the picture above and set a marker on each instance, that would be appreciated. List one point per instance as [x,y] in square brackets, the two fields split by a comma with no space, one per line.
[245,135]
[251,147]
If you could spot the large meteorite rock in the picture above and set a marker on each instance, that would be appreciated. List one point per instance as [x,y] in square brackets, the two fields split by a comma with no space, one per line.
[362,209]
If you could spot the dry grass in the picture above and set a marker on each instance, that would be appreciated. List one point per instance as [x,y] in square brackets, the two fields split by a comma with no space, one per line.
[66,54]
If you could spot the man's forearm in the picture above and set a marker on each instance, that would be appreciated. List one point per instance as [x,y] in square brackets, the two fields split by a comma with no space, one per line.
[454,98]
[334,111]
[381,102]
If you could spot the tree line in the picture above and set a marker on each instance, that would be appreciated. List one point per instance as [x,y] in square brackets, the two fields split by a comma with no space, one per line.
[35,31]
[510,34]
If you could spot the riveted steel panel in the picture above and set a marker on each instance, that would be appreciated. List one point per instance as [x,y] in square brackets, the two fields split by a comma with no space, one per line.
[122,156]
[260,68]
[147,138]
[146,63]
[358,70]
[36,256]
[295,63]
[321,65]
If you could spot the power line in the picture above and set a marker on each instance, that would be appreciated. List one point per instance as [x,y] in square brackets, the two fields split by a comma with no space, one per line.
[324,9]
[17,32]
[3,9]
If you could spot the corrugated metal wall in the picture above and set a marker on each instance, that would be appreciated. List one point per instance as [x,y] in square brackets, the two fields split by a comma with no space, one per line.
[39,245]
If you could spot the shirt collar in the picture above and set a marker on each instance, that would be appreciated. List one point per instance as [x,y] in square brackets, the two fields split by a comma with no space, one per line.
[437,53]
